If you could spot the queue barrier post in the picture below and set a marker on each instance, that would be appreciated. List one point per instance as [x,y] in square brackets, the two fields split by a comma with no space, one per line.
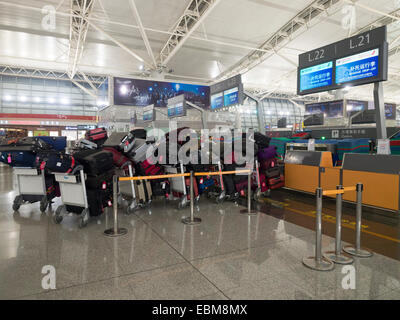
[115,231]
[249,211]
[191,220]
[318,262]
[337,256]
[357,251]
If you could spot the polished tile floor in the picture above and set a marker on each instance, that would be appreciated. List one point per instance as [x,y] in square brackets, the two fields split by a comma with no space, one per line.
[227,256]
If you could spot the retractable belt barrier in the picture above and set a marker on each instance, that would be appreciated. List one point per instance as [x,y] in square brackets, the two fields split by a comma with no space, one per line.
[191,220]
[326,262]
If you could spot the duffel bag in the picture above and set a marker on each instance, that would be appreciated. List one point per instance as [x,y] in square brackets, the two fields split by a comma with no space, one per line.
[19,159]
[59,162]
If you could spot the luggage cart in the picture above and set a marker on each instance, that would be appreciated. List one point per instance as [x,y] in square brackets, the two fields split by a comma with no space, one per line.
[31,188]
[73,192]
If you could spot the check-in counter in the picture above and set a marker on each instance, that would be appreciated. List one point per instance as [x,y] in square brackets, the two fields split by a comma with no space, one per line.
[380,176]
[305,171]
[302,169]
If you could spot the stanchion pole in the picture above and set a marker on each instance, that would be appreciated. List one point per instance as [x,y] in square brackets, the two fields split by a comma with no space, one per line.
[248,211]
[115,231]
[192,220]
[318,262]
[337,256]
[357,251]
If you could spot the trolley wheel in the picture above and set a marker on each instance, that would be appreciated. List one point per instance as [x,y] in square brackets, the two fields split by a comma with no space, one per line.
[197,199]
[182,203]
[58,218]
[43,204]
[17,202]
[132,208]
[221,197]
[83,221]
[257,194]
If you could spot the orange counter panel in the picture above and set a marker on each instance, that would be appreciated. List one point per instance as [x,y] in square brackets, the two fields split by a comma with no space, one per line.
[330,179]
[380,190]
[300,177]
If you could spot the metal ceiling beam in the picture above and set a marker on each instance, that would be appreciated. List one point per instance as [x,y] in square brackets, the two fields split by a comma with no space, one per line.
[382,21]
[15,71]
[281,37]
[124,47]
[192,18]
[84,89]
[80,10]
[143,32]
[381,13]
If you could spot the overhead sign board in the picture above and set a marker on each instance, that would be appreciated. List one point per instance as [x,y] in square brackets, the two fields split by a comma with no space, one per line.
[177,107]
[227,93]
[149,113]
[357,60]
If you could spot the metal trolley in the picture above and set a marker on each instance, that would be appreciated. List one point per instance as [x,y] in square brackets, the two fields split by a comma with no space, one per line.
[31,188]
[73,192]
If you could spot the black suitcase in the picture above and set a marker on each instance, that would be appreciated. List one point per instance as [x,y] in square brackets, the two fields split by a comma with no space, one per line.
[101,182]
[95,162]
[261,140]
[139,133]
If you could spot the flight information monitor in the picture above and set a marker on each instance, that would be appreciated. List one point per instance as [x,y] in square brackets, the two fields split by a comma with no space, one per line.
[149,114]
[359,66]
[231,97]
[316,76]
[354,61]
[177,107]
[227,93]
[217,101]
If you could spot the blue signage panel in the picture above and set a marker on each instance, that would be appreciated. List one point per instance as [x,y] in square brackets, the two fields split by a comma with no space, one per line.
[359,66]
[217,101]
[231,97]
[148,115]
[316,77]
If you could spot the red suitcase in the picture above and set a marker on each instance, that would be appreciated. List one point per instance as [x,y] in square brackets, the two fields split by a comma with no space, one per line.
[276,183]
[151,169]
[96,134]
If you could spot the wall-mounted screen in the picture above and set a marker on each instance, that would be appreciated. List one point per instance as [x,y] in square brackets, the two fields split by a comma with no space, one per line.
[177,110]
[316,76]
[231,97]
[217,101]
[390,111]
[359,66]
[141,93]
[330,109]
[149,114]
[356,105]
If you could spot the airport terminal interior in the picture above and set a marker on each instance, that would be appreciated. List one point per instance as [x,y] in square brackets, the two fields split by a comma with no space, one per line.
[200,150]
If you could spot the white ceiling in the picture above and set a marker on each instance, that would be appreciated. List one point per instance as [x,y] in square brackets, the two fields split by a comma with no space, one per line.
[232,30]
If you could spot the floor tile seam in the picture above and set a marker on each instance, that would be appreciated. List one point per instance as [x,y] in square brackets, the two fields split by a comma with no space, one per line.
[97,281]
[187,261]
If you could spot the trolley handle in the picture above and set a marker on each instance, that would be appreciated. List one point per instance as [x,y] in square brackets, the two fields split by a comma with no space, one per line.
[76,169]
